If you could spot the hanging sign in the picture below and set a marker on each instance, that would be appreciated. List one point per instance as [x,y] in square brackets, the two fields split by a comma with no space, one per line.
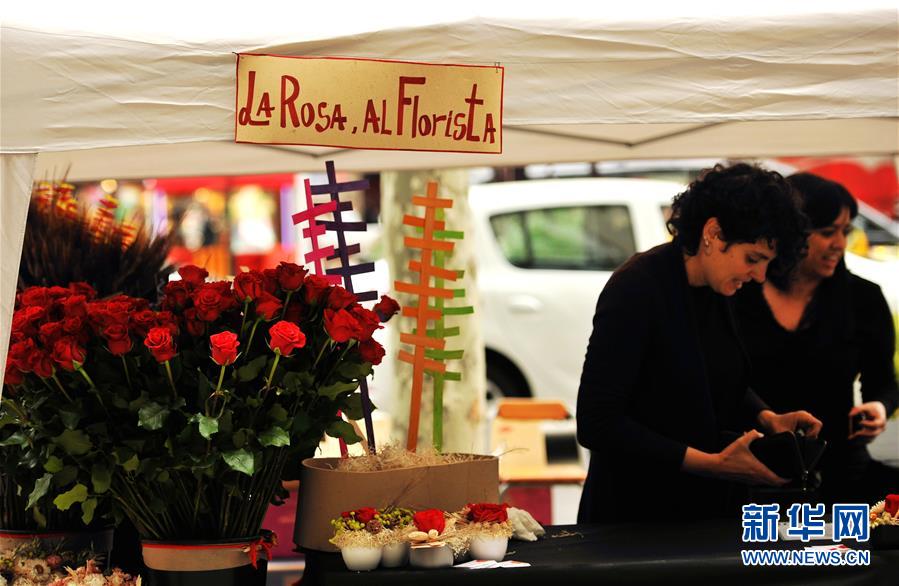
[368,104]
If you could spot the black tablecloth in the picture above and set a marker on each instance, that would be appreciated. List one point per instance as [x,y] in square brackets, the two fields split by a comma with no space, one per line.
[705,554]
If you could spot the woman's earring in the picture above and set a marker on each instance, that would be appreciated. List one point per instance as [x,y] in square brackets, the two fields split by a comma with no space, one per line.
[708,246]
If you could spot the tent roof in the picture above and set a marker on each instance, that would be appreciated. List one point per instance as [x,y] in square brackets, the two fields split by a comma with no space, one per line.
[764,81]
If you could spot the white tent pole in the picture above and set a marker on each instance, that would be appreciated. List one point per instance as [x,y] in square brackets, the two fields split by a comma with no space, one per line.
[16,177]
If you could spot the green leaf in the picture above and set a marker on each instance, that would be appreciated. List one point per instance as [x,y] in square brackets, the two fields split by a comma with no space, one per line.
[207,425]
[352,406]
[74,441]
[40,489]
[152,416]
[331,391]
[131,464]
[16,439]
[342,429]
[301,423]
[251,370]
[53,464]
[66,476]
[70,419]
[274,436]
[87,510]
[354,370]
[101,478]
[78,494]
[240,461]
[278,413]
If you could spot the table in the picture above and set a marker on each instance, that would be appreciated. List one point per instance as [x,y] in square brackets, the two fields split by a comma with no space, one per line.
[705,554]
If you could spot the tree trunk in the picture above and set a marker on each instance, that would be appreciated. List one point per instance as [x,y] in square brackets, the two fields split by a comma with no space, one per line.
[463,401]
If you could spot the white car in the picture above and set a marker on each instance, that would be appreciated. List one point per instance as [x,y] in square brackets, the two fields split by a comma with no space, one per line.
[547,249]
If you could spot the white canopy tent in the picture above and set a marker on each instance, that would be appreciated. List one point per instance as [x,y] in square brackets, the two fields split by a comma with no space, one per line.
[107,99]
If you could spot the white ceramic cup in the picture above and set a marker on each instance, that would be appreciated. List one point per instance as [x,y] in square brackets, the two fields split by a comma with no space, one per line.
[361,559]
[395,555]
[431,557]
[488,548]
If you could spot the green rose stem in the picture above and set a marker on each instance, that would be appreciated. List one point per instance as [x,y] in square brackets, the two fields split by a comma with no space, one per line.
[268,381]
[322,351]
[168,372]
[127,374]
[252,333]
[59,386]
[286,301]
[243,322]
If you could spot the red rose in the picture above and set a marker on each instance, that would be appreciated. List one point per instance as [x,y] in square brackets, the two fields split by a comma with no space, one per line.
[118,340]
[49,333]
[20,354]
[270,280]
[248,286]
[228,299]
[175,294]
[371,351]
[365,514]
[41,364]
[159,342]
[195,327]
[13,375]
[224,347]
[313,287]
[340,298]
[429,519]
[386,308]
[295,312]
[341,325]
[891,504]
[193,275]
[268,306]
[208,302]
[167,319]
[75,306]
[81,288]
[488,513]
[72,325]
[56,292]
[34,315]
[286,337]
[368,321]
[290,276]
[36,296]
[143,322]
[67,351]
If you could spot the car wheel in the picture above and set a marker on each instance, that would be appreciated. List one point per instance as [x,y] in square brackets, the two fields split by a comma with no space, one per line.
[503,380]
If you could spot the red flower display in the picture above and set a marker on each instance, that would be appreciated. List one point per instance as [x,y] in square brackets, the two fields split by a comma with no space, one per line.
[365,514]
[286,337]
[224,347]
[341,325]
[67,351]
[371,351]
[340,298]
[268,306]
[248,286]
[488,513]
[429,519]
[386,308]
[193,275]
[313,288]
[290,276]
[367,321]
[208,302]
[118,340]
[159,342]
[891,504]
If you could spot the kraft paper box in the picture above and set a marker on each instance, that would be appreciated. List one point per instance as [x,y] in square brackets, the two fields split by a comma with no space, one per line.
[326,492]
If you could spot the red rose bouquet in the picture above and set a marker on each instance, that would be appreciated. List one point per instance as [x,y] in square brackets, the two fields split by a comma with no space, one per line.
[486,520]
[184,419]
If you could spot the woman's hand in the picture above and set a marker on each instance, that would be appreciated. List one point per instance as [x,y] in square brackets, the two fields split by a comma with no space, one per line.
[735,462]
[776,423]
[873,424]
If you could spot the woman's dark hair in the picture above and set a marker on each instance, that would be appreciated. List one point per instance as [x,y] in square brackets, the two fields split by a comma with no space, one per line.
[822,199]
[750,204]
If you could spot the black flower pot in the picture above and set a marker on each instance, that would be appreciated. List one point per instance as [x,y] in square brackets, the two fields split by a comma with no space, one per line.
[224,562]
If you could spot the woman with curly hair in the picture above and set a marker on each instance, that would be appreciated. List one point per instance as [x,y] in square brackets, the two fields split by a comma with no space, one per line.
[811,332]
[665,375]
